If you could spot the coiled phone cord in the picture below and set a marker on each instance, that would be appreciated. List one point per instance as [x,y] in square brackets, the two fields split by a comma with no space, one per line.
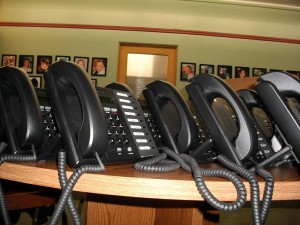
[158,163]
[259,213]
[190,164]
[268,192]
[69,187]
[10,158]
[61,164]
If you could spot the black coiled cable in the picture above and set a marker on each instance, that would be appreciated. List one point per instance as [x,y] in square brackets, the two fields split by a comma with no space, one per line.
[160,163]
[268,192]
[259,213]
[61,164]
[199,173]
[69,187]
[190,164]
[10,158]
[3,207]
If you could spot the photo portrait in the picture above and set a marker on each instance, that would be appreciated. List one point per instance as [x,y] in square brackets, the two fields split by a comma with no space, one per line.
[241,72]
[94,82]
[82,61]
[225,71]
[43,62]
[294,73]
[256,72]
[26,63]
[207,68]
[63,58]
[36,81]
[187,70]
[9,60]
[99,66]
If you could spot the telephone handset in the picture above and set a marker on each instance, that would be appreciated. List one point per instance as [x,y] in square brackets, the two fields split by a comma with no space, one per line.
[78,113]
[172,116]
[225,116]
[19,111]
[280,93]
[270,146]
[119,86]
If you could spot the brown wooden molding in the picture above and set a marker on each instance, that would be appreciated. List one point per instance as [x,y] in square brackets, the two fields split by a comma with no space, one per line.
[151,29]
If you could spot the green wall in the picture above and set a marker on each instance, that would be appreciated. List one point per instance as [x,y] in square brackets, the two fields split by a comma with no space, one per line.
[168,14]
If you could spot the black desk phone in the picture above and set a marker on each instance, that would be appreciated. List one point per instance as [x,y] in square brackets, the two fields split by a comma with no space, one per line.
[129,136]
[20,116]
[271,147]
[101,121]
[280,93]
[179,129]
[225,116]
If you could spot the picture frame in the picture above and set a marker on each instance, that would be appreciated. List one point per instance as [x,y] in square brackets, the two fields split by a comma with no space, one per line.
[242,72]
[187,70]
[294,73]
[94,82]
[36,81]
[206,68]
[224,71]
[99,66]
[275,70]
[8,60]
[43,62]
[82,61]
[62,57]
[256,72]
[26,63]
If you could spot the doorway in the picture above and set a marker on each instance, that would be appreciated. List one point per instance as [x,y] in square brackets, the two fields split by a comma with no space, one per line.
[139,64]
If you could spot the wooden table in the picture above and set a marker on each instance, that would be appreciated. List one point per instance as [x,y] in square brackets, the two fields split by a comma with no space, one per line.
[122,195]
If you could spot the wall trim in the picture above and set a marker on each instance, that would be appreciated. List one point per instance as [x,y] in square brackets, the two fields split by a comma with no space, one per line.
[151,29]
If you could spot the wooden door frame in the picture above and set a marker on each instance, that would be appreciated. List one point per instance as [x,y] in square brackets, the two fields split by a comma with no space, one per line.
[170,51]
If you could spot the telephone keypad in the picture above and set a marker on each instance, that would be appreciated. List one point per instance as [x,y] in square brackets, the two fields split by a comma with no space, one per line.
[152,127]
[264,151]
[50,128]
[117,135]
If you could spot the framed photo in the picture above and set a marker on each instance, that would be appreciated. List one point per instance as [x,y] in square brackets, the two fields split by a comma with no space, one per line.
[241,72]
[99,66]
[294,73]
[62,57]
[207,68]
[26,63]
[9,60]
[82,61]
[43,62]
[36,81]
[275,70]
[225,71]
[187,70]
[256,72]
[94,82]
